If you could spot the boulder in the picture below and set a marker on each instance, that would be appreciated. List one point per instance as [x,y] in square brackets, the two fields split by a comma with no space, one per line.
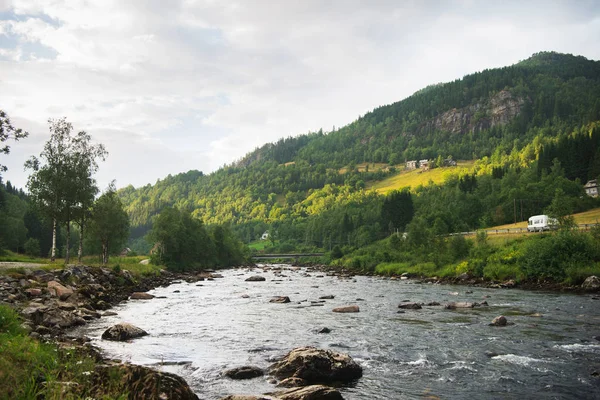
[324,330]
[317,366]
[123,331]
[347,309]
[328,297]
[141,296]
[313,392]
[459,304]
[591,283]
[292,382]
[256,278]
[34,292]
[280,299]
[246,372]
[244,397]
[499,321]
[142,382]
[58,290]
[410,306]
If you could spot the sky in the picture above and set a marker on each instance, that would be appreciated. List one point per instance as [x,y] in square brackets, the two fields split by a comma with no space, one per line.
[170,86]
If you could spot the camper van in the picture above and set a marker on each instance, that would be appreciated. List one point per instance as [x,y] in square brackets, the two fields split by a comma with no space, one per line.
[539,223]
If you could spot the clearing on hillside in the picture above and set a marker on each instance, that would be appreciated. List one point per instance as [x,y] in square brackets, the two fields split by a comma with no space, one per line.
[415,177]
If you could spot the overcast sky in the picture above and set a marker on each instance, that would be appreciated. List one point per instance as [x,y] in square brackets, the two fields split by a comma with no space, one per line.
[169,86]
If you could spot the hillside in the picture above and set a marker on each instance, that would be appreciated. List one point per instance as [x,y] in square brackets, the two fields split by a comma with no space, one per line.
[504,117]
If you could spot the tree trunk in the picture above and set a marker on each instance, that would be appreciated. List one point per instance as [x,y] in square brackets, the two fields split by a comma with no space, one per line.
[80,250]
[68,250]
[53,254]
[104,252]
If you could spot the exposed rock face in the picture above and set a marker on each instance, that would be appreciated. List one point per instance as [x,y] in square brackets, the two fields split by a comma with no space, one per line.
[410,306]
[280,299]
[141,296]
[317,366]
[498,110]
[256,278]
[499,321]
[144,383]
[347,309]
[459,304]
[123,331]
[246,372]
[591,283]
[313,392]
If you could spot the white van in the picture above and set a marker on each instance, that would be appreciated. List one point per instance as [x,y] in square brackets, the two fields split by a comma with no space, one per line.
[539,223]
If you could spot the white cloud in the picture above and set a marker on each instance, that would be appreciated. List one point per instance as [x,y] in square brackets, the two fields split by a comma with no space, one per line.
[171,86]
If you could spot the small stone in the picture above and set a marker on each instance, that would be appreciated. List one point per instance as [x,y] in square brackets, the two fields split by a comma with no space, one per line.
[245,372]
[141,296]
[324,330]
[346,309]
[328,297]
[280,299]
[122,332]
[256,278]
[410,306]
[499,321]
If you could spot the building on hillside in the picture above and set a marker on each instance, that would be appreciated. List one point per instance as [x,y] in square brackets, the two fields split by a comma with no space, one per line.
[424,164]
[411,164]
[265,236]
[591,188]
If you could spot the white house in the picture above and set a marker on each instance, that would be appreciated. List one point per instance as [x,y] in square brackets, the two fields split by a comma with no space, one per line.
[591,188]
[265,236]
[411,164]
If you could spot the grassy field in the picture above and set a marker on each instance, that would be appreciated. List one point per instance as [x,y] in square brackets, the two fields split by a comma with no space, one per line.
[586,217]
[258,245]
[416,177]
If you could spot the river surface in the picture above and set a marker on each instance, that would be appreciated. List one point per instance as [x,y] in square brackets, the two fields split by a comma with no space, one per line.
[549,353]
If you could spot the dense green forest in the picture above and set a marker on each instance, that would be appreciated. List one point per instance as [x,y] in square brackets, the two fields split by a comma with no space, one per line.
[307,191]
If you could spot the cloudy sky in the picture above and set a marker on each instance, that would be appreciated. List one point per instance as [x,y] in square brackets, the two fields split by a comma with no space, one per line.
[170,86]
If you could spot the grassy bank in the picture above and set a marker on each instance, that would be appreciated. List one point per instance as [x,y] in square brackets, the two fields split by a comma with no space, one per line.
[30,369]
[565,257]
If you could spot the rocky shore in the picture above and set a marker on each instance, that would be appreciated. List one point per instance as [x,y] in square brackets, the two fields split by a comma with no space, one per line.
[52,302]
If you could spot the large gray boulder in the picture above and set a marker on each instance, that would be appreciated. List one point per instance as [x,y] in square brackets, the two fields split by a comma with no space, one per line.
[591,283]
[123,331]
[315,365]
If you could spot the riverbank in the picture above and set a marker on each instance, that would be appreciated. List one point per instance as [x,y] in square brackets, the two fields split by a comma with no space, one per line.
[590,285]
[38,310]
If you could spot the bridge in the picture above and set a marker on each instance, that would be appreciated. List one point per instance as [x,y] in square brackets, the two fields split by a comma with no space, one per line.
[294,256]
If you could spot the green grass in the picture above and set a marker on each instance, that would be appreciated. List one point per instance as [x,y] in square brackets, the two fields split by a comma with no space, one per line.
[30,369]
[130,263]
[417,177]
[259,245]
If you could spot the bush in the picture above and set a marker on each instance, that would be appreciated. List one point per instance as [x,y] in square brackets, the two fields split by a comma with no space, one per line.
[550,256]
[9,321]
[32,247]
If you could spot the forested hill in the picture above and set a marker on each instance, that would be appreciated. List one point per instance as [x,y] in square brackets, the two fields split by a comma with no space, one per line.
[512,110]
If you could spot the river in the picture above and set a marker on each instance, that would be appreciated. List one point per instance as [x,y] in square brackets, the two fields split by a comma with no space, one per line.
[550,352]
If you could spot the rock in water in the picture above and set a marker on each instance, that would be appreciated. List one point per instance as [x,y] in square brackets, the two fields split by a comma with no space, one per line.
[317,366]
[455,305]
[143,382]
[346,309]
[246,372]
[499,321]
[256,278]
[123,331]
[410,306]
[591,283]
[141,296]
[313,392]
[280,299]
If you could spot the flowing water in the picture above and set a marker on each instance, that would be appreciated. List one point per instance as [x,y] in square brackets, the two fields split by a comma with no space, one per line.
[203,328]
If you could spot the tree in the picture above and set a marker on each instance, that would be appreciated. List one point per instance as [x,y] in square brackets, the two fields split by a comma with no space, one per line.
[109,223]
[8,131]
[63,187]
[397,209]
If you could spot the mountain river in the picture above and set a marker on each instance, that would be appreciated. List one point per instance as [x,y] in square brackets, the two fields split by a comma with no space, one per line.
[200,329]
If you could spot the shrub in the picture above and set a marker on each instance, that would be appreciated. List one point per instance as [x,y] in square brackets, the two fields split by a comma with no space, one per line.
[9,321]
[32,247]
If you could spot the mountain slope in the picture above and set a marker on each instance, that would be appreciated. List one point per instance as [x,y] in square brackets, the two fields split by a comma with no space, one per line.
[486,114]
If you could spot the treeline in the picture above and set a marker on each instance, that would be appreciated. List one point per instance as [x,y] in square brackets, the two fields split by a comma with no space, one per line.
[274,187]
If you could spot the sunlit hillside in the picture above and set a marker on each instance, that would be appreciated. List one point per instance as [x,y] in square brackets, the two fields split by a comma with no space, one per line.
[416,177]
